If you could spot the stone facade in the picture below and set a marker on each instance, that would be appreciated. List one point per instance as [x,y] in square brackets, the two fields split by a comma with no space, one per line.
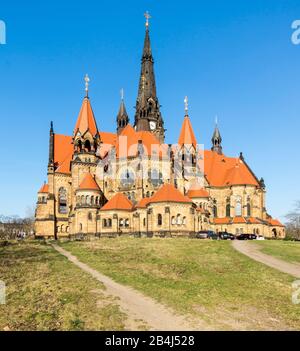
[128,183]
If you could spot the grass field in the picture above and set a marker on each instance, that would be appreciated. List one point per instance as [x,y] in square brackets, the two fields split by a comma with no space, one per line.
[44,291]
[286,250]
[208,279]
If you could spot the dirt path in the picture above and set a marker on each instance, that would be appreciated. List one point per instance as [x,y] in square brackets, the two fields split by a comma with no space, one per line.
[137,306]
[253,251]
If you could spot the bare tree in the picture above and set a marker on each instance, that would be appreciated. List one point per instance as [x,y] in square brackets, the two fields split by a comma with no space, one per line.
[293,224]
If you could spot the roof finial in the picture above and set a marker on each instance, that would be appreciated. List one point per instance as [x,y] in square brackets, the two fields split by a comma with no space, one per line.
[147,16]
[186,105]
[122,94]
[87,80]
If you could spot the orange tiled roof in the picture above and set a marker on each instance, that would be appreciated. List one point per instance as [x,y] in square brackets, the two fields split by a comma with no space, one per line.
[143,202]
[187,135]
[63,152]
[86,120]
[237,220]
[118,202]
[168,193]
[225,220]
[44,188]
[89,183]
[221,170]
[253,220]
[194,193]
[128,140]
[275,222]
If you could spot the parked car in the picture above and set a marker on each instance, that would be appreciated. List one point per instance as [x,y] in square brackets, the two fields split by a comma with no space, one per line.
[246,237]
[212,235]
[226,236]
[203,234]
[206,234]
[260,237]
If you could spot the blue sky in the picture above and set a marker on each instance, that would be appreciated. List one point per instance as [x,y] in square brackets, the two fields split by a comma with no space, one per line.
[232,58]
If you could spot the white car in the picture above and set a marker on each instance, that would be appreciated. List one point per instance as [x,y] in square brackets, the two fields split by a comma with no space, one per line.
[260,237]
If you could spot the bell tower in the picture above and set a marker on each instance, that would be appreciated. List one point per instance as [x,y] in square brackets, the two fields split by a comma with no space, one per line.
[217,140]
[122,118]
[147,114]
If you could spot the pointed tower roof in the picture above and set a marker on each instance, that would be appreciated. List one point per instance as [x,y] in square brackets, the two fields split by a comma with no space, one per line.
[168,193]
[216,140]
[187,136]
[217,134]
[118,202]
[89,183]
[147,104]
[147,53]
[122,110]
[86,120]
[44,188]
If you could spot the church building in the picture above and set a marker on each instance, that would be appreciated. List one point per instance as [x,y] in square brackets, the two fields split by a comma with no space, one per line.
[132,183]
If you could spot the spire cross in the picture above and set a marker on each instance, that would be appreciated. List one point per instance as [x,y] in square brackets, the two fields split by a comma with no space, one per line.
[147,16]
[87,80]
[122,94]
[186,105]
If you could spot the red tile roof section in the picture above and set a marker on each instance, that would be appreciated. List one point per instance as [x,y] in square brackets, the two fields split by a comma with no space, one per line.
[118,202]
[89,183]
[168,193]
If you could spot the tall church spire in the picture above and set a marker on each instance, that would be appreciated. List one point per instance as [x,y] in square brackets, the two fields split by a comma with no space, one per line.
[122,118]
[147,115]
[217,140]
[51,146]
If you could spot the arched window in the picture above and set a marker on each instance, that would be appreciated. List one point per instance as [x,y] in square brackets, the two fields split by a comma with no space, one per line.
[126,222]
[248,207]
[238,206]
[82,200]
[155,177]
[87,145]
[178,220]
[104,223]
[109,222]
[148,194]
[79,145]
[62,200]
[159,219]
[62,228]
[121,222]
[80,227]
[127,178]
[67,229]
[228,207]
[90,216]
[173,221]
[92,200]
[184,220]
[215,211]
[144,222]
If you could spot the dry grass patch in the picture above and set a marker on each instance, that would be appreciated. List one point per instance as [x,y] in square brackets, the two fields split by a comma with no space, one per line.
[208,279]
[47,292]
